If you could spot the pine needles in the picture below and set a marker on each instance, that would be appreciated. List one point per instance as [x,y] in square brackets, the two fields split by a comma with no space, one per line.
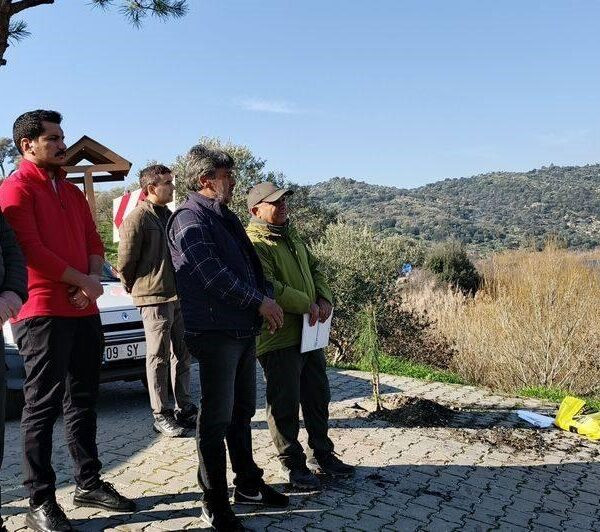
[368,349]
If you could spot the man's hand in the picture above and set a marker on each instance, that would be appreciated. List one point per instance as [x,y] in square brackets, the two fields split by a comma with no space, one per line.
[13,301]
[271,312]
[313,314]
[10,304]
[5,312]
[325,309]
[77,298]
[91,287]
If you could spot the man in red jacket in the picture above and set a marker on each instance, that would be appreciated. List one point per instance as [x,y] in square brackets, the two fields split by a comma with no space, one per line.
[58,330]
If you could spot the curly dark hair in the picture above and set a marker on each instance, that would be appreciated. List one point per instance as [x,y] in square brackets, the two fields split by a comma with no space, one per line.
[29,125]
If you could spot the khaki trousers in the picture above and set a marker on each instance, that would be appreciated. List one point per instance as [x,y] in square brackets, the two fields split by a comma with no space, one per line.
[165,347]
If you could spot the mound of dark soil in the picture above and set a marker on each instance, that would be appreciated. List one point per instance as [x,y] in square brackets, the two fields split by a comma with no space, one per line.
[405,411]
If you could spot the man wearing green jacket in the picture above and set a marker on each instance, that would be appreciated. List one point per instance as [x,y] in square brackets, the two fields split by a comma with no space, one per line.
[293,378]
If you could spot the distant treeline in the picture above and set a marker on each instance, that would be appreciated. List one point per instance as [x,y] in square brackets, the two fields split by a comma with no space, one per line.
[489,211]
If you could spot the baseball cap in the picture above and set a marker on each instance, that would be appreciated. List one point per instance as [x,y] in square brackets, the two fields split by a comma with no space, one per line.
[266,191]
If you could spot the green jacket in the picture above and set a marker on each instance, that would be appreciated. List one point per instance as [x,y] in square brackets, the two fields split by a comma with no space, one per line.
[144,263]
[297,282]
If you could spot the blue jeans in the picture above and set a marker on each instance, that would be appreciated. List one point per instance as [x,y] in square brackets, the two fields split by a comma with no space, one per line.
[227,368]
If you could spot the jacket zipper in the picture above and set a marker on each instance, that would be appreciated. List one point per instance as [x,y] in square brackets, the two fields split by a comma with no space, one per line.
[297,259]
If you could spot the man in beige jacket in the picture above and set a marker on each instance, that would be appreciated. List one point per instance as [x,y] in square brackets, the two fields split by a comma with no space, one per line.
[147,273]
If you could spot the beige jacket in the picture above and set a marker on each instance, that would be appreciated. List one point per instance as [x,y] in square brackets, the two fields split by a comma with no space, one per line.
[144,263]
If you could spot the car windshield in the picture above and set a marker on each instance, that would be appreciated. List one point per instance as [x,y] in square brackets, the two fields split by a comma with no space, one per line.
[109,274]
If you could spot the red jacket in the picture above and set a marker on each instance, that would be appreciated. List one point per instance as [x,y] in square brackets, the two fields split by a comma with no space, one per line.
[55,230]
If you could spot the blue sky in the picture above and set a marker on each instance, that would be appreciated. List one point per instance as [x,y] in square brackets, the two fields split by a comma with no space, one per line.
[387,91]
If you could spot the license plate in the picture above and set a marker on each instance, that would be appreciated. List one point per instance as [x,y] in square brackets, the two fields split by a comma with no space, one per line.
[124,351]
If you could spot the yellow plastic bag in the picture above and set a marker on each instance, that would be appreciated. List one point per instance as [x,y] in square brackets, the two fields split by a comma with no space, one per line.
[589,425]
[568,409]
[567,418]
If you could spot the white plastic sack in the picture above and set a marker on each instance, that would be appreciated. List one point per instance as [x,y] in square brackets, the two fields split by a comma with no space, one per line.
[536,419]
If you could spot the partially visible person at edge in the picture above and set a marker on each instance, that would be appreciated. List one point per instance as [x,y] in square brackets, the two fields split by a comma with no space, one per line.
[58,330]
[293,378]
[224,298]
[13,293]
[147,273]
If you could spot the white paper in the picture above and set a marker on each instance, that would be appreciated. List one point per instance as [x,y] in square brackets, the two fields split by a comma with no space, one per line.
[315,337]
[536,419]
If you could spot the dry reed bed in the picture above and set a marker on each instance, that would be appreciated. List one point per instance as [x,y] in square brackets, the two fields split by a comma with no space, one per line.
[535,322]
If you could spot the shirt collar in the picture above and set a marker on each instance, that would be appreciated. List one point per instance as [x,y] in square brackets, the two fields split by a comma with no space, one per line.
[212,204]
[32,169]
[275,230]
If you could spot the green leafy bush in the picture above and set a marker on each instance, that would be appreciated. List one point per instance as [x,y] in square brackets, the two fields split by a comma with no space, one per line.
[410,335]
[450,263]
[361,270]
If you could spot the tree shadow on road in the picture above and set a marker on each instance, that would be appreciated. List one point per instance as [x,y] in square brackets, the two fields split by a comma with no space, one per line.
[343,387]
[412,497]
[460,493]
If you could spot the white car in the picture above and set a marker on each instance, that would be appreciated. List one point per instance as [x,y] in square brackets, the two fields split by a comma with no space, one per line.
[124,353]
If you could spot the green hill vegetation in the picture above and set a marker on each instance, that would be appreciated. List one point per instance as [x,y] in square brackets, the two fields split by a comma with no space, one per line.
[487,212]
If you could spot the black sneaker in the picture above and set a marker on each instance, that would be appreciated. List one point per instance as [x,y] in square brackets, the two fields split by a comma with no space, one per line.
[263,495]
[104,496]
[166,424]
[300,477]
[330,465]
[222,519]
[47,517]
[186,417]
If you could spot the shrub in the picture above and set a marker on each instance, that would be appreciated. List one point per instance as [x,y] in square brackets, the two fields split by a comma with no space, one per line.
[105,230]
[361,269]
[411,335]
[450,263]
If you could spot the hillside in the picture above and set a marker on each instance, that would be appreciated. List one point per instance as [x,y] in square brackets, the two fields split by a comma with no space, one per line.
[488,211]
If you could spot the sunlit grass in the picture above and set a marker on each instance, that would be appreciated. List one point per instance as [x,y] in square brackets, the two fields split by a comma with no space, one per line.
[407,368]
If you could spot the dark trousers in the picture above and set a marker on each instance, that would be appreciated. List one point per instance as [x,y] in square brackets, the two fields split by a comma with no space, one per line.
[62,358]
[2,407]
[297,379]
[227,368]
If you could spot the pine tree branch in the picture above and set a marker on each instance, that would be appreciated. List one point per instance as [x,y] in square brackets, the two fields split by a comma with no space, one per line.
[136,10]
[17,7]
[17,31]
